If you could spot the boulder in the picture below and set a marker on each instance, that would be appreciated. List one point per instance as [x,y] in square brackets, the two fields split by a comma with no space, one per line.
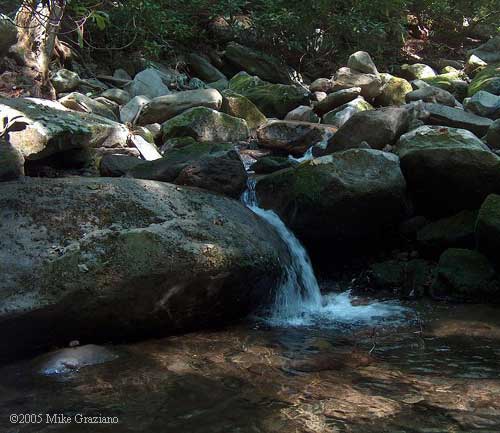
[340,115]
[97,259]
[447,169]
[110,105]
[488,80]
[163,108]
[303,113]
[433,95]
[483,104]
[318,96]
[378,128]
[488,52]
[346,78]
[464,275]
[293,137]
[52,128]
[452,81]
[204,69]
[11,162]
[321,85]
[205,124]
[345,197]
[122,74]
[274,100]
[147,83]
[336,99]
[8,34]
[121,97]
[257,63]
[361,61]
[270,164]
[474,65]
[488,227]
[196,83]
[457,118]
[237,105]
[493,135]
[130,112]
[65,81]
[417,71]
[394,91]
[82,103]
[117,165]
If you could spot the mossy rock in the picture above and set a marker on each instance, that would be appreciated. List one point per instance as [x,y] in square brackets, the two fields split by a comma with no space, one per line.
[270,164]
[394,91]
[488,80]
[237,105]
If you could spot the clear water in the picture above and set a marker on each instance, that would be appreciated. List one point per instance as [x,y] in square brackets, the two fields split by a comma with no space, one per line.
[298,299]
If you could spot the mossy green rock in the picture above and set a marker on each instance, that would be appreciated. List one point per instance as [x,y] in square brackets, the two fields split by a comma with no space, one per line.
[417,71]
[237,105]
[273,100]
[488,227]
[205,124]
[394,91]
[445,81]
[488,80]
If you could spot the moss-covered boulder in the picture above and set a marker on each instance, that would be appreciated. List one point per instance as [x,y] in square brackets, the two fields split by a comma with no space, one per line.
[205,124]
[345,197]
[270,164]
[237,105]
[340,115]
[488,227]
[465,275]
[274,100]
[446,81]
[417,71]
[488,80]
[394,91]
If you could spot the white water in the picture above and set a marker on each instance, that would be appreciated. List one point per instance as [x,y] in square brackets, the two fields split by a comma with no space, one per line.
[298,299]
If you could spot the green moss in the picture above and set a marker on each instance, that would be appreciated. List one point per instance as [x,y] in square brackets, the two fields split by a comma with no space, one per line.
[488,79]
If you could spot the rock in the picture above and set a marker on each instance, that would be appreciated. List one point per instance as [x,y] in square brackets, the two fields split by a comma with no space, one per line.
[205,124]
[163,108]
[321,85]
[488,227]
[447,169]
[488,80]
[483,104]
[394,91]
[345,197]
[129,259]
[121,97]
[91,86]
[270,164]
[493,135]
[237,105]
[293,137]
[303,113]
[117,165]
[219,85]
[456,231]
[147,149]
[274,100]
[340,115]
[130,112]
[8,34]
[318,96]
[110,105]
[154,129]
[451,81]
[11,162]
[417,71]
[203,69]
[147,83]
[456,118]
[176,143]
[336,99]
[489,52]
[432,94]
[196,83]
[474,65]
[82,103]
[464,274]
[371,85]
[257,63]
[122,74]
[361,61]
[378,128]
[51,128]
[65,81]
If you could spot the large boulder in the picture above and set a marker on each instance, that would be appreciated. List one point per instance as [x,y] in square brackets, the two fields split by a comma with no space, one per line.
[205,124]
[121,97]
[493,135]
[8,34]
[274,100]
[11,162]
[346,78]
[257,63]
[378,128]
[270,164]
[303,113]
[293,137]
[96,259]
[336,99]
[447,169]
[483,104]
[130,112]
[52,128]
[79,102]
[433,95]
[204,69]
[345,197]
[457,118]
[488,227]
[340,115]
[321,85]
[160,109]
[488,52]
[361,61]
[417,71]
[148,83]
[488,80]
[237,105]
[65,81]
[394,91]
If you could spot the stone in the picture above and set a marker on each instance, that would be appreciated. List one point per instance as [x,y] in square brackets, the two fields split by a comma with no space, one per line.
[394,91]
[483,104]
[52,128]
[346,78]
[488,52]
[196,83]
[147,83]
[11,162]
[293,137]
[121,97]
[270,164]
[163,108]
[488,227]
[122,74]
[303,113]
[336,99]
[176,143]
[117,258]
[345,198]
[474,65]
[219,85]
[340,115]
[417,71]
[65,81]
[273,100]
[433,95]
[361,61]
[464,275]
[321,85]
[82,103]
[457,118]
[110,105]
[130,112]
[452,82]
[318,96]
[378,128]
[488,80]
[204,69]
[205,124]
[237,105]
[117,165]
[447,169]
[493,135]
[8,34]
[257,63]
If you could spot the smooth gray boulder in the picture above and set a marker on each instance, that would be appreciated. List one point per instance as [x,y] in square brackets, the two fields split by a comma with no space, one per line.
[361,61]
[303,113]
[493,135]
[121,97]
[147,83]
[483,104]
[131,111]
[336,99]
[432,94]
[488,52]
[340,115]
[346,78]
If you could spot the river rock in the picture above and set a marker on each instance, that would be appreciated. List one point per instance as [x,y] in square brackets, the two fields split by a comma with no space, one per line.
[378,128]
[293,137]
[117,165]
[130,112]
[321,85]
[163,108]
[447,169]
[361,61]
[8,34]
[110,105]
[270,164]
[488,227]
[340,115]
[124,258]
[417,71]
[121,97]
[205,124]
[11,162]
[483,104]
[204,69]
[78,102]
[346,78]
[345,197]
[336,99]
[457,118]
[493,135]
[394,91]
[488,52]
[52,128]
[488,80]
[303,113]
[147,83]
[237,105]
[65,81]
[433,95]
